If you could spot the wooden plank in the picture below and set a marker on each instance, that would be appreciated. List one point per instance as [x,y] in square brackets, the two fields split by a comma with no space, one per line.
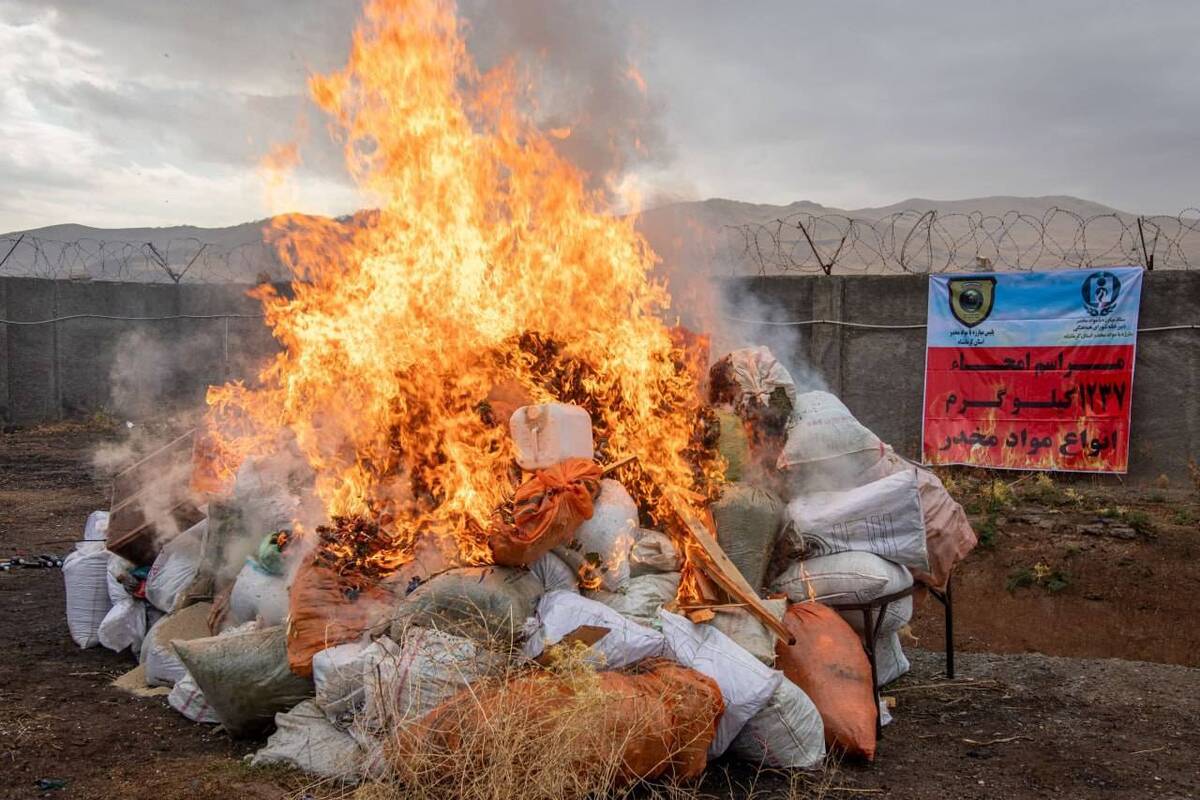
[717,566]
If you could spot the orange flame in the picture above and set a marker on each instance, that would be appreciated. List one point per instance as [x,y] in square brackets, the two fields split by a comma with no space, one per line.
[485,252]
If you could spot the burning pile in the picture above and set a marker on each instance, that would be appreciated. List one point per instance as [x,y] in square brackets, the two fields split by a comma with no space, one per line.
[481,488]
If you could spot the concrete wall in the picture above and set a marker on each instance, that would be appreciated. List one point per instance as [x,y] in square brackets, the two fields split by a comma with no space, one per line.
[879,374]
[78,366]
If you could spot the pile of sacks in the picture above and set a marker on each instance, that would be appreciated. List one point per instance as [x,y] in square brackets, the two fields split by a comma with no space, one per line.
[337,670]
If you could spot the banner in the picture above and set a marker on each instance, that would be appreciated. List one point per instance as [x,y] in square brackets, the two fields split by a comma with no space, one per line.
[1031,370]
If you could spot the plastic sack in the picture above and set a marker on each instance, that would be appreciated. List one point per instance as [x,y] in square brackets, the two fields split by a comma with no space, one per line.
[404,681]
[653,552]
[547,510]
[561,613]
[188,700]
[548,434]
[338,679]
[786,734]
[828,662]
[949,537]
[96,527]
[848,577]
[487,604]
[825,444]
[245,677]
[748,521]
[257,594]
[733,445]
[325,610]
[158,657]
[751,634]
[642,597]
[758,374]
[175,567]
[306,740]
[604,539]
[85,575]
[883,517]
[746,684]
[655,721]
[555,574]
[124,626]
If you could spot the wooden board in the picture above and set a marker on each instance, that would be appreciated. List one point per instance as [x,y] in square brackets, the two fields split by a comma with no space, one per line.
[717,566]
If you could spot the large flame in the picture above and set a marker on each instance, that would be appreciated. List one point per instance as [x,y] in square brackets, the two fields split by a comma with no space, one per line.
[487,264]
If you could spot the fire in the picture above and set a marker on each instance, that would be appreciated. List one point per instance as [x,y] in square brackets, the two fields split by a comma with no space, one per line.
[487,263]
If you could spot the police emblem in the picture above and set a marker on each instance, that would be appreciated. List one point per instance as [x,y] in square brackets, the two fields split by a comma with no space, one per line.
[1100,293]
[971,299]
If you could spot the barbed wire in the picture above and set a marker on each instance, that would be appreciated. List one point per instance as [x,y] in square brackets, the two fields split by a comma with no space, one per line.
[930,242]
[181,260]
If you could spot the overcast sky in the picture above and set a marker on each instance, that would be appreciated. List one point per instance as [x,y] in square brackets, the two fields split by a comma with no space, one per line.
[123,113]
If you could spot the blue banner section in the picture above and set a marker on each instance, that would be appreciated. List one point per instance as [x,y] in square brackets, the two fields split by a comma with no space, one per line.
[1063,308]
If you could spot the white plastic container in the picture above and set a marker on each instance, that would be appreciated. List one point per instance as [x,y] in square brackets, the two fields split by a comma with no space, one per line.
[547,434]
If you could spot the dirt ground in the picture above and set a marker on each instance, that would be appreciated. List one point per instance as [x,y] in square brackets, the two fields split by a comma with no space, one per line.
[1094,574]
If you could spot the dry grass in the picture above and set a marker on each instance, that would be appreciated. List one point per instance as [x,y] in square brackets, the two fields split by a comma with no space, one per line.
[558,732]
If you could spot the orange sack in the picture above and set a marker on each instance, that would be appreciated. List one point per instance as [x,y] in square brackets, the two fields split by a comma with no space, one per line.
[654,720]
[325,611]
[547,510]
[828,662]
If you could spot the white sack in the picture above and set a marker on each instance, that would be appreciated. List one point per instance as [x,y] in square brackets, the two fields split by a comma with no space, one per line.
[175,567]
[883,517]
[306,740]
[124,626]
[849,577]
[560,613]
[85,575]
[746,684]
[642,597]
[338,678]
[890,661]
[653,552]
[257,595]
[605,540]
[188,700]
[96,527]
[549,433]
[826,446]
[555,574]
[786,734]
[409,679]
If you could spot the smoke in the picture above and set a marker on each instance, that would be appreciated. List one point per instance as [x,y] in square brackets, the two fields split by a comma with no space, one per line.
[745,319]
[582,55]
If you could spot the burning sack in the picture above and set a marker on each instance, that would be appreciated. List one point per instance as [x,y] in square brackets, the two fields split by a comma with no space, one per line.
[586,733]
[826,445]
[546,511]
[327,610]
[642,597]
[652,553]
[244,677]
[485,604]
[604,539]
[828,662]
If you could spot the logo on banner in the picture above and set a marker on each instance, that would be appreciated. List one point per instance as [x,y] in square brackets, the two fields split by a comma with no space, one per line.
[971,299]
[1100,293]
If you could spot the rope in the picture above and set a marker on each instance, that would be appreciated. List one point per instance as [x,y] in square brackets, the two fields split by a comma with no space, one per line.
[843,324]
